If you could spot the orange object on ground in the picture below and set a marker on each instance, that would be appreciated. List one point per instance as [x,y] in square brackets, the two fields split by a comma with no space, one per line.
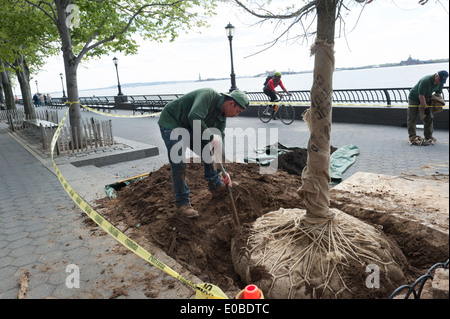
[252,292]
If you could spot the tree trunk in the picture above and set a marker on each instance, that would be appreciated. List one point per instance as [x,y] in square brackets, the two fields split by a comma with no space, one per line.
[7,89]
[316,175]
[70,67]
[23,75]
[2,99]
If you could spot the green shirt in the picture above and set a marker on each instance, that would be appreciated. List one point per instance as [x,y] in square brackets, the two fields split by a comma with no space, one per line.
[425,87]
[204,105]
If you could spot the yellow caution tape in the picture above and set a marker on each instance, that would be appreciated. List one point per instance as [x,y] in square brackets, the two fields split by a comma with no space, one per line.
[71,102]
[119,115]
[203,290]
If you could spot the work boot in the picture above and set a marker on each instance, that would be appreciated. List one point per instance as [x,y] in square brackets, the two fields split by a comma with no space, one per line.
[416,140]
[430,140]
[187,211]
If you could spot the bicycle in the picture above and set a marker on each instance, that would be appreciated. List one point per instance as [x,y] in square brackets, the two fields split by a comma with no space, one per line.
[285,112]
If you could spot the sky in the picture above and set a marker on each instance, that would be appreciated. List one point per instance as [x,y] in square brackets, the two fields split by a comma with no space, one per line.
[384,31]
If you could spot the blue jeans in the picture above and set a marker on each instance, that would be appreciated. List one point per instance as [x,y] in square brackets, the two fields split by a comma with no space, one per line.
[178,163]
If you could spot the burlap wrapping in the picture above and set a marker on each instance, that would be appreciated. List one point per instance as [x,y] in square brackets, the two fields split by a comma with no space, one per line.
[319,252]
[316,175]
[287,256]
[437,102]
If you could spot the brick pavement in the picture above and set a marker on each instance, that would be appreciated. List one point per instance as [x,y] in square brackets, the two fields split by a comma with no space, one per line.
[42,231]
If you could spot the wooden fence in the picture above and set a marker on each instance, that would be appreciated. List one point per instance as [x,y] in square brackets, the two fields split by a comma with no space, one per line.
[94,134]
[47,115]
[14,118]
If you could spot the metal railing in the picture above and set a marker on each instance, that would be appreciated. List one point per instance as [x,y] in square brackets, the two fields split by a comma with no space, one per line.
[376,97]
[418,284]
[383,96]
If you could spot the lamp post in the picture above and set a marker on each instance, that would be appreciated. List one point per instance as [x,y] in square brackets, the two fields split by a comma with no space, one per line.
[115,60]
[37,88]
[62,85]
[229,29]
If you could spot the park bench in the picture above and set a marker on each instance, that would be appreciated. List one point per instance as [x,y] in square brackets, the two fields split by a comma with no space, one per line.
[57,102]
[45,129]
[38,123]
[102,103]
[151,103]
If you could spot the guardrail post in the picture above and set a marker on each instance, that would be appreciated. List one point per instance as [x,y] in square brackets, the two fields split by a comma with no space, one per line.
[121,102]
[388,97]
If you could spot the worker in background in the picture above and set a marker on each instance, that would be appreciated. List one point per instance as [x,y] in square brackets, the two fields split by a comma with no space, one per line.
[420,103]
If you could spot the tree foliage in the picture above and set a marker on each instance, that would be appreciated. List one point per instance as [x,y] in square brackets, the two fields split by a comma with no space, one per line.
[24,32]
[100,27]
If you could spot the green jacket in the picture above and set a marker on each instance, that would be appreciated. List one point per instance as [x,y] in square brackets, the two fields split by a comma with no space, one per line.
[203,104]
[425,87]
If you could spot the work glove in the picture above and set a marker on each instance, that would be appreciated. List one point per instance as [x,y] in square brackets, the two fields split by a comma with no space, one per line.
[226,179]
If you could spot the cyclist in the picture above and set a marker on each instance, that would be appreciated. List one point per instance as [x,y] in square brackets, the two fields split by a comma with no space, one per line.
[271,84]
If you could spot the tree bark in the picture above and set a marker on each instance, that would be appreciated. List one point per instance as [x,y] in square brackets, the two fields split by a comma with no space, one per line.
[7,89]
[23,75]
[70,67]
[316,175]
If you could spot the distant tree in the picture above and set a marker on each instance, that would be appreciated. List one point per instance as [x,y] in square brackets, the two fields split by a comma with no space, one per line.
[93,28]
[7,87]
[25,41]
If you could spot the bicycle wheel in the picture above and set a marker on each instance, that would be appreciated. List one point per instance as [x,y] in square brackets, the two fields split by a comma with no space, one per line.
[265,113]
[286,114]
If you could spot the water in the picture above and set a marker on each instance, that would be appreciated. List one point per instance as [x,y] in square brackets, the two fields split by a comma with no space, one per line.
[400,76]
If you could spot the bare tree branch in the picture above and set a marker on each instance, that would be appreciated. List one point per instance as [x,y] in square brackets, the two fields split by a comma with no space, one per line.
[51,16]
[88,47]
[270,15]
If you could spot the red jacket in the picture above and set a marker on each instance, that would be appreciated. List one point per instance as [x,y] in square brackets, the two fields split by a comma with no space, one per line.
[271,85]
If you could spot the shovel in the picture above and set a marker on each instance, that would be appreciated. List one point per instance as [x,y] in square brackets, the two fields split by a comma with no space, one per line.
[235,216]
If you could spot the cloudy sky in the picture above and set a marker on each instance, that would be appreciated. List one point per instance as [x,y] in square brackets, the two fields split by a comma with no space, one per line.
[384,31]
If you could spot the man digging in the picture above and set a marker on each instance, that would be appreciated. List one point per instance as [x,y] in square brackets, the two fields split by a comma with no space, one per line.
[195,120]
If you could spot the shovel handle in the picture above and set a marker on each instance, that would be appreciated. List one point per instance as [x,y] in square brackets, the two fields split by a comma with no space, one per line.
[235,214]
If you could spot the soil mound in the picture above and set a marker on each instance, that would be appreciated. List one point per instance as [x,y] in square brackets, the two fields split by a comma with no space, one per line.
[144,210]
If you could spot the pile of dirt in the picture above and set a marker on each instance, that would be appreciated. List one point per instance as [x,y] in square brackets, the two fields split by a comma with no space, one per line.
[144,210]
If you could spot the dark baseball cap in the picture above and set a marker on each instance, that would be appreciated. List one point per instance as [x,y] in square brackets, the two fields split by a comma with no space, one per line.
[443,75]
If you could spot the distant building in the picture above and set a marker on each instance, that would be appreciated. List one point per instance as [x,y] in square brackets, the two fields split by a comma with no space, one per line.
[411,61]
